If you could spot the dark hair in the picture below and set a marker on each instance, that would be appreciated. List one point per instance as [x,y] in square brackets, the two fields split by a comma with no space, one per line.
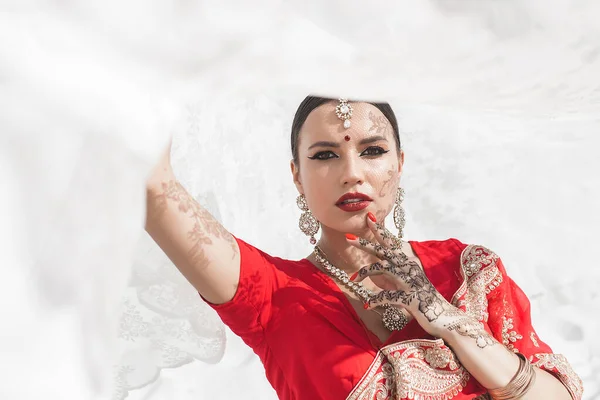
[312,102]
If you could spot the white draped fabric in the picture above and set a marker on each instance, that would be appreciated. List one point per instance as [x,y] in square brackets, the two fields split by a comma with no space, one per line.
[499,111]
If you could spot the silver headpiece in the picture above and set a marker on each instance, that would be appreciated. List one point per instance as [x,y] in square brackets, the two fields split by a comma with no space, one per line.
[344,112]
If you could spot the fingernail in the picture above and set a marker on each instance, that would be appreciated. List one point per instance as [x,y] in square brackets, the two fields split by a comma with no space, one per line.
[371,216]
[350,236]
[366,306]
[354,275]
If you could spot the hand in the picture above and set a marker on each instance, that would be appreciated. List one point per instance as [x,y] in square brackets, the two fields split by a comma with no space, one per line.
[404,282]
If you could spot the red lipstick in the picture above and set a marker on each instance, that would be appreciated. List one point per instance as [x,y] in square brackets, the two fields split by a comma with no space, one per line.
[351,202]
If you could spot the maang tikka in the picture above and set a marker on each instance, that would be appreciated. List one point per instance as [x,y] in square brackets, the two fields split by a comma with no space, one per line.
[344,112]
[308,224]
[399,214]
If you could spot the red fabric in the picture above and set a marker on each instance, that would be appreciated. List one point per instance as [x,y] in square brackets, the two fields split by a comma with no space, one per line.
[309,338]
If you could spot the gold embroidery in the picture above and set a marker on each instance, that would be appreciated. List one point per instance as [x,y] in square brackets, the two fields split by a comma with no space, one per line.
[429,370]
[534,340]
[481,276]
[414,369]
[560,367]
[508,336]
[440,357]
[475,258]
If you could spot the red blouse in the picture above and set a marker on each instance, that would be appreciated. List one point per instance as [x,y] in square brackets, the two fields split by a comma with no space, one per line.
[314,346]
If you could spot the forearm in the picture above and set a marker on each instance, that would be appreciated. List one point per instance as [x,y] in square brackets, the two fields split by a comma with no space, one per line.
[184,230]
[493,366]
[201,248]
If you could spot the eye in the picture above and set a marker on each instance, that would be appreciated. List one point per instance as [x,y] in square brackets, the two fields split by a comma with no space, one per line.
[323,155]
[373,151]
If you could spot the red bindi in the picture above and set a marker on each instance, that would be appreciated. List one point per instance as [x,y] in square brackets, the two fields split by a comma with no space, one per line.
[347,138]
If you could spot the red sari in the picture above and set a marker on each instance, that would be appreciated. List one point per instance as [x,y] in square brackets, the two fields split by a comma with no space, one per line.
[314,346]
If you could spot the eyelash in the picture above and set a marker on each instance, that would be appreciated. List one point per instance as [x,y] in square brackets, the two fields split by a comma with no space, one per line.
[319,155]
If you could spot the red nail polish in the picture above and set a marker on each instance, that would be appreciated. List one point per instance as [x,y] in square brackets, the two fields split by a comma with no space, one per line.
[354,275]
[350,236]
[371,216]
[366,306]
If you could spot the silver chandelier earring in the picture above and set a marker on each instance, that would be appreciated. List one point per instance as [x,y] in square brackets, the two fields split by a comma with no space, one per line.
[308,224]
[399,215]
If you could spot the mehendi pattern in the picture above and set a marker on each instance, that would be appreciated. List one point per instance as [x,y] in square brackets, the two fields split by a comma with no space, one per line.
[413,369]
[429,370]
[509,337]
[558,365]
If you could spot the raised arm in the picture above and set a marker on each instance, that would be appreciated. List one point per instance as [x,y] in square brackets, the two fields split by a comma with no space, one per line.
[205,253]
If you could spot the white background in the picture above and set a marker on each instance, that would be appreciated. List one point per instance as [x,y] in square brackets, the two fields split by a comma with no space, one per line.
[498,109]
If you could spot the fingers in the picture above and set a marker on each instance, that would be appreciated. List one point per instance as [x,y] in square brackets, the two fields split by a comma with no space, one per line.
[393,297]
[382,234]
[379,268]
[375,249]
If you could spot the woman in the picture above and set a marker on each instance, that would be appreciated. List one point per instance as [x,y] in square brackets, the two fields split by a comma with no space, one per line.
[366,315]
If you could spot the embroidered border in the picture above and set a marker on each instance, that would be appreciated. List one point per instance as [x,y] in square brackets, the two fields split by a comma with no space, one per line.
[481,275]
[414,369]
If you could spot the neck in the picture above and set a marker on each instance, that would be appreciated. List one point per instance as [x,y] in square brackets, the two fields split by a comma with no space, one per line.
[342,254]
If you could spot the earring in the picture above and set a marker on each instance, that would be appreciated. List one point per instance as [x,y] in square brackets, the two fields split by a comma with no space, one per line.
[308,224]
[399,214]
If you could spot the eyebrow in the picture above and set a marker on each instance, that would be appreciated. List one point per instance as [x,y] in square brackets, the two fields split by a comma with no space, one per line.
[368,140]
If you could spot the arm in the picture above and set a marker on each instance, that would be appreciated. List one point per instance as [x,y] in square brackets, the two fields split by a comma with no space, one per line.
[461,326]
[490,357]
[205,253]
[493,366]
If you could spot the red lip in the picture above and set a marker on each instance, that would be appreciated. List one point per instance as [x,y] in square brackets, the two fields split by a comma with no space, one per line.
[354,206]
[354,195]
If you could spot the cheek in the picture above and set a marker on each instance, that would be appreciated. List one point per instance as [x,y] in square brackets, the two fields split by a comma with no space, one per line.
[385,207]
[316,189]
[386,181]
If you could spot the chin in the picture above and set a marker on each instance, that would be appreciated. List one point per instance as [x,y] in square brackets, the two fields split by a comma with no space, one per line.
[355,224]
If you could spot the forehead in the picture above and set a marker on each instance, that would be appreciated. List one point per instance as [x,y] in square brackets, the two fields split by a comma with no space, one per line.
[323,124]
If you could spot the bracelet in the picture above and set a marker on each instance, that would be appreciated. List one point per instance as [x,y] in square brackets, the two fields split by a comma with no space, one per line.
[519,385]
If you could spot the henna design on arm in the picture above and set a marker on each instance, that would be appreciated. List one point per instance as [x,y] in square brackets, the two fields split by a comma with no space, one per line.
[205,225]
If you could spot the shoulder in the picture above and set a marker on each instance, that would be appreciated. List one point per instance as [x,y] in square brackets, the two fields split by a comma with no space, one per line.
[471,257]
[252,255]
[437,249]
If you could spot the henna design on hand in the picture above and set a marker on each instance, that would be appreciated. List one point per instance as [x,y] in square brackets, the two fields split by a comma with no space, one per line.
[420,292]
[395,296]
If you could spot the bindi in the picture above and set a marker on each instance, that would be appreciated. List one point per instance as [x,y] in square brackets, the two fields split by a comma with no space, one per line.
[347,138]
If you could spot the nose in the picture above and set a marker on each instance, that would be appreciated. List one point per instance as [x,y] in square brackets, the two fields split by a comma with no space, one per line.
[353,172]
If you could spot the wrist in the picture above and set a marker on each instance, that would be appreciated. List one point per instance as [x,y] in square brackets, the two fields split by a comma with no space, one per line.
[451,337]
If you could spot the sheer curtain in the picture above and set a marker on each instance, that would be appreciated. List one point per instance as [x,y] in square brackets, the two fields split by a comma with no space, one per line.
[498,106]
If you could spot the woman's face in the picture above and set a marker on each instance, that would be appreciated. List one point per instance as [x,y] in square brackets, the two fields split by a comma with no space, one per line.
[331,166]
